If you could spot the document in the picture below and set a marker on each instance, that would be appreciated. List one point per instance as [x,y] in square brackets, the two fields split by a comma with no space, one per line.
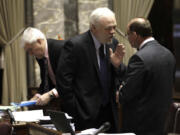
[93,130]
[12,108]
[117,134]
[30,116]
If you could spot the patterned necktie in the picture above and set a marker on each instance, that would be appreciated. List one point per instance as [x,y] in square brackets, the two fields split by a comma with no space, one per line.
[46,83]
[104,75]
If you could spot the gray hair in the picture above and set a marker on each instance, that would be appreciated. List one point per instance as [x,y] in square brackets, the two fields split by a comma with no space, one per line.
[99,13]
[31,35]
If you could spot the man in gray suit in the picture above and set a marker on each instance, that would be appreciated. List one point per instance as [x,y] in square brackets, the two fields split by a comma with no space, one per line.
[146,93]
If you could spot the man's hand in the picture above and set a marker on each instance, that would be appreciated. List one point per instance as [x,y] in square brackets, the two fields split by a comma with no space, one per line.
[44,99]
[35,97]
[117,56]
[117,96]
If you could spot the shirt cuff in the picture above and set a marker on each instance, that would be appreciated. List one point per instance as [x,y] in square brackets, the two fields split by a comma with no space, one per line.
[38,95]
[55,93]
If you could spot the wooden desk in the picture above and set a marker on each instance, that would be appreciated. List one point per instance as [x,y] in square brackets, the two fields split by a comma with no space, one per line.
[36,129]
[26,128]
[20,129]
[33,129]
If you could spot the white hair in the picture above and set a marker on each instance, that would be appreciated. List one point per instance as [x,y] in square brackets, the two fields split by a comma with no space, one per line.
[99,13]
[31,35]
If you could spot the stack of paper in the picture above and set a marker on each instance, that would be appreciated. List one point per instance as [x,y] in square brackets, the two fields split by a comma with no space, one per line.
[12,108]
[30,116]
[91,131]
[116,134]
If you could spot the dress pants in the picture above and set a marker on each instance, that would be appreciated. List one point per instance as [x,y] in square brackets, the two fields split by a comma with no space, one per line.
[106,115]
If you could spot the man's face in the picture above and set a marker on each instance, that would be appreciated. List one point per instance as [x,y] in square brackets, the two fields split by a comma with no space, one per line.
[132,38]
[36,48]
[104,30]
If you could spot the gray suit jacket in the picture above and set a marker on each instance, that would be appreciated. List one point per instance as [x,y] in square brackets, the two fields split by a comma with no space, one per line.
[147,91]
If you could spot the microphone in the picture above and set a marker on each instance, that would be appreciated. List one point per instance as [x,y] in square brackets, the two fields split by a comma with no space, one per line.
[103,128]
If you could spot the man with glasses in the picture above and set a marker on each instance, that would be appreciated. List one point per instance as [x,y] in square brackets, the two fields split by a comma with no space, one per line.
[146,93]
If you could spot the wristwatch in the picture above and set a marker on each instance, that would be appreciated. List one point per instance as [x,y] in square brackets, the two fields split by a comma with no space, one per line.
[51,95]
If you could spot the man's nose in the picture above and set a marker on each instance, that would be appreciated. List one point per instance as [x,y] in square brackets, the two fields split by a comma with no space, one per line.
[112,31]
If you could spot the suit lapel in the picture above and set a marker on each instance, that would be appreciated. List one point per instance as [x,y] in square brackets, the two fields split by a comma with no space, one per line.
[50,53]
[92,51]
[93,55]
[108,56]
[44,74]
[108,62]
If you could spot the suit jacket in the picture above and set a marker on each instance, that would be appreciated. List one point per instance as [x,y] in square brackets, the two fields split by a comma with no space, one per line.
[147,91]
[78,80]
[54,51]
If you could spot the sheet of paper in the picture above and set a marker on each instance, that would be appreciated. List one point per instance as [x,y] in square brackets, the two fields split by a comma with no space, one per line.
[12,108]
[29,116]
[91,131]
[117,134]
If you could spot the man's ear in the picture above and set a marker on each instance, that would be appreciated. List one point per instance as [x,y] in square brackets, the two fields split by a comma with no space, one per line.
[135,34]
[93,26]
[39,41]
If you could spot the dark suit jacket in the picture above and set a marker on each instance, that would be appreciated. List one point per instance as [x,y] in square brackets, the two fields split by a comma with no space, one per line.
[147,91]
[78,81]
[54,51]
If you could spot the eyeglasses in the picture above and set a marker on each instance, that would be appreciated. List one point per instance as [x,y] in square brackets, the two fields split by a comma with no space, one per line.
[122,34]
[127,34]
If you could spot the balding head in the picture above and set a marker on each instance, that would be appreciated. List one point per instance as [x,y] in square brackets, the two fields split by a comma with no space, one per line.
[141,26]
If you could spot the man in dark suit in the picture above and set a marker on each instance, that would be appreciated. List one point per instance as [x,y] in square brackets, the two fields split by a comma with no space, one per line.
[47,53]
[85,75]
[146,93]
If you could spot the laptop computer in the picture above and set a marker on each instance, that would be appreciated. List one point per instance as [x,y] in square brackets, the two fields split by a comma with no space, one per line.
[60,121]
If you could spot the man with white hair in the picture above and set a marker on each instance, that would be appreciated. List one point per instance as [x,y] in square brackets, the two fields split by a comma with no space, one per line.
[47,53]
[86,73]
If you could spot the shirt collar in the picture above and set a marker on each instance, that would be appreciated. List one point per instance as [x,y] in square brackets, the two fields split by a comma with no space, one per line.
[96,42]
[146,41]
[46,49]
